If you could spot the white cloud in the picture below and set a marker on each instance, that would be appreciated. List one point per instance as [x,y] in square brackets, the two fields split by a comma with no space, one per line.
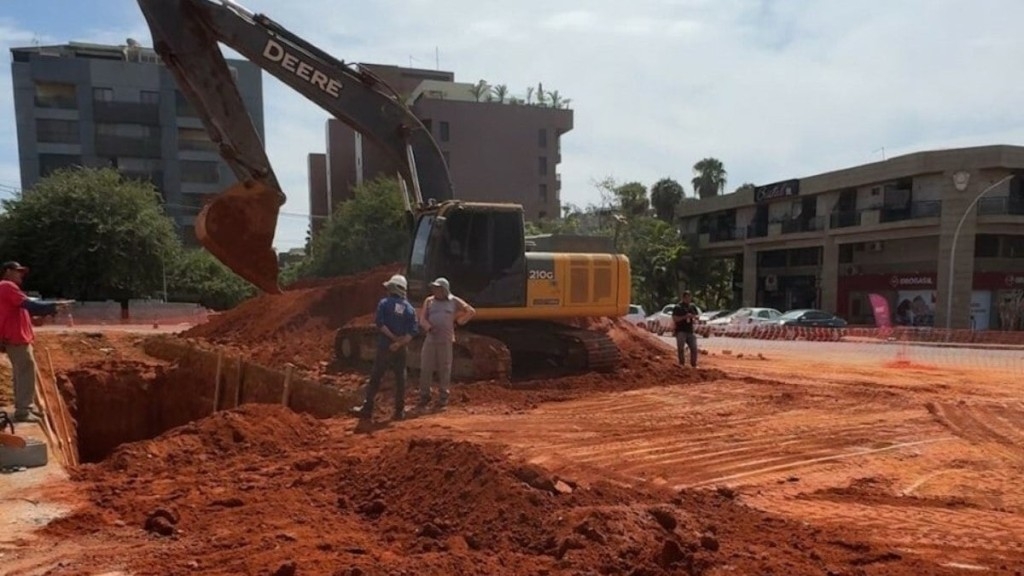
[773,89]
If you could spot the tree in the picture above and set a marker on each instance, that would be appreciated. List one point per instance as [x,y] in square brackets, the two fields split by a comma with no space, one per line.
[709,179]
[479,89]
[367,231]
[656,255]
[632,199]
[500,92]
[745,187]
[666,194]
[89,234]
[196,276]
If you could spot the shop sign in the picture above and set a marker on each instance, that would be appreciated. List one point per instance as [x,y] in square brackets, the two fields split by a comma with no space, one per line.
[770,192]
[1013,281]
[897,281]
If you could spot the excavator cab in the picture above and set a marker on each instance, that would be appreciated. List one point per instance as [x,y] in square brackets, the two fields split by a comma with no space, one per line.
[479,248]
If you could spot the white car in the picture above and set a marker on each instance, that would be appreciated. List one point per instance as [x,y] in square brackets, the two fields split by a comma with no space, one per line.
[742,321]
[636,314]
[661,321]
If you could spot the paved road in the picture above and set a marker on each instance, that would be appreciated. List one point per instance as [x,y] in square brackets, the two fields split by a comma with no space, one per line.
[870,352]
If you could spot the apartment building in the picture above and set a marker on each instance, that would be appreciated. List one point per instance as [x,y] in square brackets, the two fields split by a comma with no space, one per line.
[829,240]
[100,105]
[497,151]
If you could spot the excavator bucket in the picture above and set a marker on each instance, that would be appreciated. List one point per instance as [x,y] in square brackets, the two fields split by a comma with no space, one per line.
[238,226]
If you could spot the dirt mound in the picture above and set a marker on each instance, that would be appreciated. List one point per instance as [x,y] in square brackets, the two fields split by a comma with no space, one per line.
[260,490]
[298,325]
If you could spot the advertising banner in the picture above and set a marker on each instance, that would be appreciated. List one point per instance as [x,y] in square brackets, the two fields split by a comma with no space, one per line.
[915,307]
[981,309]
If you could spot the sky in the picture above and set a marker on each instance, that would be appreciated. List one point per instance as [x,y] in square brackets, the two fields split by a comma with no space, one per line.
[774,89]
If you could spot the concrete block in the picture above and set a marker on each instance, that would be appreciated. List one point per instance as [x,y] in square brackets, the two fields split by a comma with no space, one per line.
[33,455]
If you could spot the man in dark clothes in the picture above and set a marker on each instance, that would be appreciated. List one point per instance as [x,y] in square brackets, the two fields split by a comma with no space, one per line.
[684,315]
[398,325]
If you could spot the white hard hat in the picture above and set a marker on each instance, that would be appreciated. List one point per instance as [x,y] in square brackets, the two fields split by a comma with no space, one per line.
[397,281]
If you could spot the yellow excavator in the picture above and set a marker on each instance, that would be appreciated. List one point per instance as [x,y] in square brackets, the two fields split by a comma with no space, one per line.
[520,295]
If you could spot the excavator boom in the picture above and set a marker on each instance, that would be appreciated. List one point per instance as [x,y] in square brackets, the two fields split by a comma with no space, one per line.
[238,225]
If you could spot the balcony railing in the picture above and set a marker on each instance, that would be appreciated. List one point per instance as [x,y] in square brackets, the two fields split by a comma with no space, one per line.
[1001,206]
[196,145]
[797,225]
[127,146]
[845,219]
[916,210]
[59,102]
[127,112]
[727,234]
[757,230]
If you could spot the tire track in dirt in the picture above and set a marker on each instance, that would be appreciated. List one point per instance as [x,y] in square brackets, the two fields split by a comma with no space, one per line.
[912,526]
[694,437]
[998,428]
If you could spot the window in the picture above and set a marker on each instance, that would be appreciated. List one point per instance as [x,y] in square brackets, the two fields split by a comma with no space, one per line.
[199,172]
[195,139]
[445,134]
[542,138]
[57,131]
[183,106]
[48,163]
[102,95]
[418,256]
[542,215]
[55,95]
[542,165]
[149,97]
[544,193]
[986,246]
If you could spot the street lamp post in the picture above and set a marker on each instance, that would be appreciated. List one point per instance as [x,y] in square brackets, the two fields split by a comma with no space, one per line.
[952,251]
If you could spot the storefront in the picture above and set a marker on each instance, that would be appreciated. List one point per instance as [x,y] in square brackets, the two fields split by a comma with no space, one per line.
[1005,299]
[788,292]
[997,299]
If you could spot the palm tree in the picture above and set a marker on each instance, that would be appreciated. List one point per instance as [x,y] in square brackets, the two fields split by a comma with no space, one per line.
[529,95]
[709,179]
[556,99]
[500,92]
[479,89]
[665,195]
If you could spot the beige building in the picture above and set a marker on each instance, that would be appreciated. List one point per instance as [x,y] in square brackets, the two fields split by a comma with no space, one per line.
[829,241]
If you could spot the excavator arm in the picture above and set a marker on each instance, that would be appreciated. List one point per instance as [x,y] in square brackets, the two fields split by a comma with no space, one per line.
[238,225]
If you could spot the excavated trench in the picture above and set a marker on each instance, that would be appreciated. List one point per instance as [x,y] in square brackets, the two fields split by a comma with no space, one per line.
[117,403]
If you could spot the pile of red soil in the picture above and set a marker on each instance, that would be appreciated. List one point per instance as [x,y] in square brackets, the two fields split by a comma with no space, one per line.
[297,326]
[261,490]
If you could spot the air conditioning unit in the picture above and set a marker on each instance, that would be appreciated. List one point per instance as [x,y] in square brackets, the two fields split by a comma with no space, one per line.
[771,282]
[873,246]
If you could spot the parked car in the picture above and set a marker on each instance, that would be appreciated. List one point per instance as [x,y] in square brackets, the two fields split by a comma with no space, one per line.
[807,323]
[741,322]
[701,328]
[661,321]
[636,314]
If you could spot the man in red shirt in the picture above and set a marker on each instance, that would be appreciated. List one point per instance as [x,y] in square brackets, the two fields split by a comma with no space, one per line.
[16,336]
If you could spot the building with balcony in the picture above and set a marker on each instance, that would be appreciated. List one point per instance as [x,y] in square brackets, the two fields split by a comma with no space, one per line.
[497,151]
[118,106]
[828,241]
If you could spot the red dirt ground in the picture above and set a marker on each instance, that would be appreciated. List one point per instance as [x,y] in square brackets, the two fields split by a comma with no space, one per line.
[298,325]
[318,501]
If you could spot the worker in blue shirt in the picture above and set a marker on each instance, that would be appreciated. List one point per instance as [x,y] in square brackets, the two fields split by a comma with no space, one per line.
[398,325]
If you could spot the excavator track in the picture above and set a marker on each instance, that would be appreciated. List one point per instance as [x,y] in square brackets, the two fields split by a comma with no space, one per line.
[504,351]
